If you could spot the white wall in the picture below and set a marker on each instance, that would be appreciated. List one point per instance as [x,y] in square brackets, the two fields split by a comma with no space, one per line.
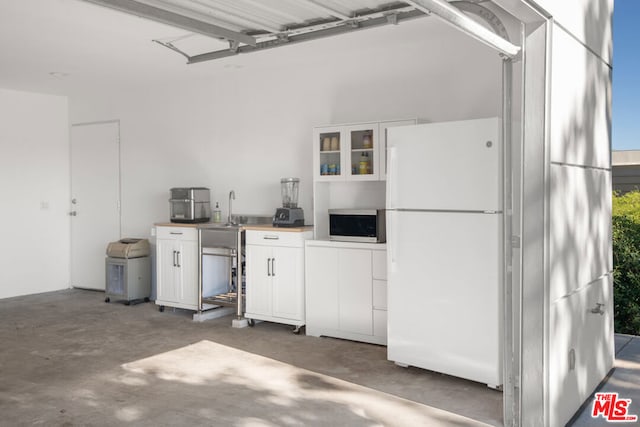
[250,123]
[34,184]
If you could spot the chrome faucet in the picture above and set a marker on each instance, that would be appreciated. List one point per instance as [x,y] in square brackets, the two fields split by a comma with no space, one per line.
[232,196]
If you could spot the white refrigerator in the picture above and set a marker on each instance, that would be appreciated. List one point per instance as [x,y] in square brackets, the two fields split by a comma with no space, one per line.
[444,248]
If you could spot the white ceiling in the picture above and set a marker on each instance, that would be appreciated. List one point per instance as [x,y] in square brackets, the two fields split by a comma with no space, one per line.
[91,46]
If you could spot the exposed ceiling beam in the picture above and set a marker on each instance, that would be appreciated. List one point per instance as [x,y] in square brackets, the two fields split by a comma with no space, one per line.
[175,20]
[458,19]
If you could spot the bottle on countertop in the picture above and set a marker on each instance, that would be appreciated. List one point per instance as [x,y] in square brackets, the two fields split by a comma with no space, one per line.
[217,214]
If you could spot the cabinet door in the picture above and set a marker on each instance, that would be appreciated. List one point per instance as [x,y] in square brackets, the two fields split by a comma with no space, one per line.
[329,161]
[258,264]
[380,324]
[188,272]
[321,282]
[362,151]
[379,259]
[288,283]
[355,291]
[166,270]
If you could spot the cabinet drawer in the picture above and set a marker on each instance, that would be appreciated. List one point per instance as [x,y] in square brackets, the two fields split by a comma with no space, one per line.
[277,238]
[379,294]
[177,233]
[379,265]
[380,324]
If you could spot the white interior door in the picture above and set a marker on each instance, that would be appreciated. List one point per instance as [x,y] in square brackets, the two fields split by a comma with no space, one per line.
[95,199]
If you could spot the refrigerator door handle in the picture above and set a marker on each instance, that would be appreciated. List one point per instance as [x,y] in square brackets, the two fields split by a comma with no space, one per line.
[392,240]
[392,172]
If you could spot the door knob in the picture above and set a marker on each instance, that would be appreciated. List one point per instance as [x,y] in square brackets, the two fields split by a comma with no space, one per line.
[74,201]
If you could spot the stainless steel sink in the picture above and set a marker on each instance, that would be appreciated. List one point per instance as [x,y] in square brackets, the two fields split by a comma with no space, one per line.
[225,242]
[221,236]
[251,219]
[224,245]
[219,225]
[238,221]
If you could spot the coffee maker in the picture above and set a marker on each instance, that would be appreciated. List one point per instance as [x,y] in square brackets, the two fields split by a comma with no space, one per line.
[289,215]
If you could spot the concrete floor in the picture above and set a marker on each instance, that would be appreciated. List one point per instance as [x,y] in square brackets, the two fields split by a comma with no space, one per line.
[67,358]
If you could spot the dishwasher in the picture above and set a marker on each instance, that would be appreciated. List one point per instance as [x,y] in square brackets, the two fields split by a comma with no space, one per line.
[222,276]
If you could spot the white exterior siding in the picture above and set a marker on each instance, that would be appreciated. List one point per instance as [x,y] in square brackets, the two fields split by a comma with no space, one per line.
[580,247]
[580,343]
[581,348]
[588,20]
[580,104]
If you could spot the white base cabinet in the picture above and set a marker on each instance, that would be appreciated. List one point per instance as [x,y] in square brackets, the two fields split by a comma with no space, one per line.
[177,267]
[346,290]
[275,276]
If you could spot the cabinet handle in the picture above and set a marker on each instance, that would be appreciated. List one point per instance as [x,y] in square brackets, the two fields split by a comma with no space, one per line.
[175,232]
[178,255]
[273,266]
[174,258]
[271,237]
[268,267]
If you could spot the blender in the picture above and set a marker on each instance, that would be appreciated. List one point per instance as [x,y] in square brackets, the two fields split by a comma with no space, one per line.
[289,215]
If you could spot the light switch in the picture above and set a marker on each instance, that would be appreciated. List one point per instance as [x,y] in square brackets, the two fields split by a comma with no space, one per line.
[44,206]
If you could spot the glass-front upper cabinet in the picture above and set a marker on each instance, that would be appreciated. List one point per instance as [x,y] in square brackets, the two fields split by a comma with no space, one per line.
[331,160]
[347,152]
[363,151]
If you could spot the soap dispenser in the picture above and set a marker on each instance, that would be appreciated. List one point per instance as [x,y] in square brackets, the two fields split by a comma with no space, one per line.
[217,214]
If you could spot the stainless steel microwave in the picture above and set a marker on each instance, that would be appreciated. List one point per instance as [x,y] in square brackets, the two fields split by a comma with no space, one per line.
[357,225]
